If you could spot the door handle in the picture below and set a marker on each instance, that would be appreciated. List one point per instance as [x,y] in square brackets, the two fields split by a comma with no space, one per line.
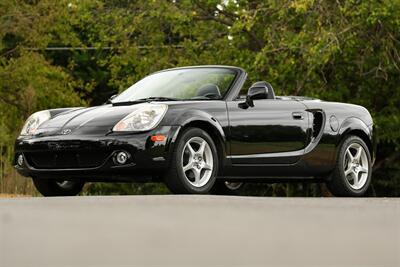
[298,115]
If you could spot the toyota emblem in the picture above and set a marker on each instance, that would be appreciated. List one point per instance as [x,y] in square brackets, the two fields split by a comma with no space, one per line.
[66,131]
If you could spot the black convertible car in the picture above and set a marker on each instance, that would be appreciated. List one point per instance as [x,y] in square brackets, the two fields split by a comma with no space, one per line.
[199,129]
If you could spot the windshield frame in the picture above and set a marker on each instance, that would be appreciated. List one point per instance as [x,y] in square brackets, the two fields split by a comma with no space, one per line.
[235,85]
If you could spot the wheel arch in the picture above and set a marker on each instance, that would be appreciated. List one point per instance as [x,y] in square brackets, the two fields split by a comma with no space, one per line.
[356,127]
[215,132]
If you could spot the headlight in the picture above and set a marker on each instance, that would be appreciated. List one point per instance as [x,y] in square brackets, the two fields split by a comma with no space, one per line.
[144,118]
[34,121]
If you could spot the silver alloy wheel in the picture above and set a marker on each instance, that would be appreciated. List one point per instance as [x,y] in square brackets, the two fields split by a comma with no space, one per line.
[356,166]
[233,185]
[197,161]
[65,184]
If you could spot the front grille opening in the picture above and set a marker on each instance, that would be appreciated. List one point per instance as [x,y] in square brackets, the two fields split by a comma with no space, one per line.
[66,159]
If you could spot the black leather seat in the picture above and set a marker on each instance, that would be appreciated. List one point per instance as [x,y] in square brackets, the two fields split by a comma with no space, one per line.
[270,90]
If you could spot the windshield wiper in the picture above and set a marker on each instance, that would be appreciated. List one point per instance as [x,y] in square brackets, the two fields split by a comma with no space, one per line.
[127,103]
[142,100]
[158,98]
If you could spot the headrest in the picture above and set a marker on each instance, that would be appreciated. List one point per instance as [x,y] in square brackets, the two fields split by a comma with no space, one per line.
[209,89]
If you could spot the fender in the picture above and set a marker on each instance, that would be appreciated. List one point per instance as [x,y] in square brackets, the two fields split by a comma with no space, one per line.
[355,124]
[199,116]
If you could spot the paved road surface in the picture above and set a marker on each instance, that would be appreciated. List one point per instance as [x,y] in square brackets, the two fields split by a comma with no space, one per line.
[199,231]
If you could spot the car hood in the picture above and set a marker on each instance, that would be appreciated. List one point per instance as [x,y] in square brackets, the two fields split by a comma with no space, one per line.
[98,119]
[101,119]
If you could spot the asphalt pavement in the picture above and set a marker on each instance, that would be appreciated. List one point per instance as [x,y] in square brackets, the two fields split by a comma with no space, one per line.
[199,231]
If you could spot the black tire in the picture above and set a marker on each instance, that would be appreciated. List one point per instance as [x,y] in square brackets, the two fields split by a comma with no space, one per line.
[54,188]
[176,179]
[231,189]
[338,184]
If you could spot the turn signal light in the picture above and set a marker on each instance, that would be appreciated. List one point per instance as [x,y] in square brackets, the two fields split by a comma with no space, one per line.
[157,138]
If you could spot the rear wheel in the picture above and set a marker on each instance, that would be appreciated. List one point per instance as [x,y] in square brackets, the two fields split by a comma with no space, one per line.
[227,188]
[52,188]
[352,175]
[194,164]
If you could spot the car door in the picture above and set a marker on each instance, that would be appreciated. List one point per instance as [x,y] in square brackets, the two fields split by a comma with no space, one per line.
[273,131]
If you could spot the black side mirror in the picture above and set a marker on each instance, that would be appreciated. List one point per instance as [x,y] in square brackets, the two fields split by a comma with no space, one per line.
[256,92]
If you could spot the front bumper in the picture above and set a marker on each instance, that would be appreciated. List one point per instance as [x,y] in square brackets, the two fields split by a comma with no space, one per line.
[92,157]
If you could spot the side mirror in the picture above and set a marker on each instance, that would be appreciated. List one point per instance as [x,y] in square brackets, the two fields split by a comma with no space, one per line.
[256,92]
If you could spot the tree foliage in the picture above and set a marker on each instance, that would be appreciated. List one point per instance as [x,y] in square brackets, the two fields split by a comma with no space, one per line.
[339,50]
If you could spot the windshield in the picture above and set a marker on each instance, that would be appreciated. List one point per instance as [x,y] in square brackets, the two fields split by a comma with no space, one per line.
[181,84]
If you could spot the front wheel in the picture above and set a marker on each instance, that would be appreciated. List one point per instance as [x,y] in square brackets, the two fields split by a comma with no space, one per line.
[352,174]
[194,164]
[53,188]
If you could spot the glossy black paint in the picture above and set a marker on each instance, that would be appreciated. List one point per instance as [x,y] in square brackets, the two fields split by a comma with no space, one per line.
[267,127]
[275,139]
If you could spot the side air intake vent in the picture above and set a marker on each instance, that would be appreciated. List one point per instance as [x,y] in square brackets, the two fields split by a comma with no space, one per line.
[317,124]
